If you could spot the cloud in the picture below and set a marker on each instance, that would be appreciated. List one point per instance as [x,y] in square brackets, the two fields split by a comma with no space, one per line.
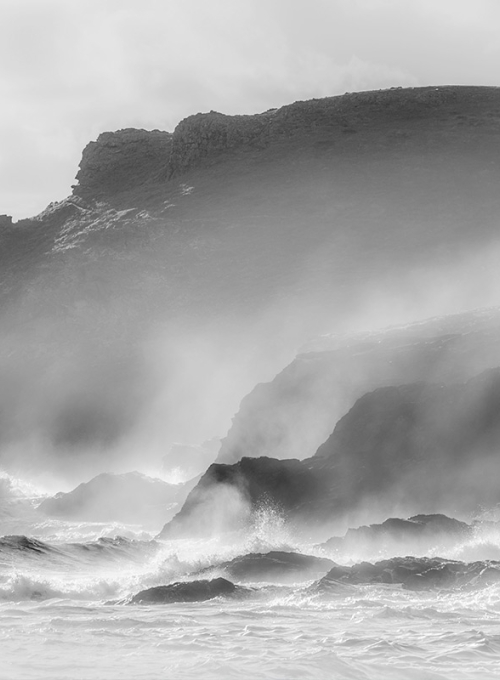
[70,69]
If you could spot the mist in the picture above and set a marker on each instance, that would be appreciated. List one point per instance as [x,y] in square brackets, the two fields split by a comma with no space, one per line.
[94,404]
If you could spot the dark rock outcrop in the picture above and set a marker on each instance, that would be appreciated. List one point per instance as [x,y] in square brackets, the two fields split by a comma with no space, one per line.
[204,138]
[400,529]
[276,566]
[122,160]
[413,573]
[428,444]
[420,446]
[414,535]
[188,591]
[264,483]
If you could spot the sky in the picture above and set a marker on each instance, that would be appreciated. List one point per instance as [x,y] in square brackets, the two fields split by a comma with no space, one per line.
[70,69]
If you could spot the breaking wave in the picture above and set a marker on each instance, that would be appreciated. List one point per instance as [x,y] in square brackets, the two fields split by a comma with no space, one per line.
[261,592]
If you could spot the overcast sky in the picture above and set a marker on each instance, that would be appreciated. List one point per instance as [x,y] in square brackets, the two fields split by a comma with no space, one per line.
[70,69]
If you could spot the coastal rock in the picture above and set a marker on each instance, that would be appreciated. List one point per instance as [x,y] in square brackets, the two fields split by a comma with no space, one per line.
[431,448]
[414,535]
[250,484]
[205,136]
[276,566]
[122,160]
[413,573]
[187,591]
[420,446]
[437,438]
[400,529]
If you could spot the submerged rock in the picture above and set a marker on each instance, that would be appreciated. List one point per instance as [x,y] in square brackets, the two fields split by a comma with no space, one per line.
[276,566]
[187,591]
[414,573]
[418,531]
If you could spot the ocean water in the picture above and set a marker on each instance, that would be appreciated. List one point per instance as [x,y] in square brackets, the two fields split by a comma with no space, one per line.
[66,611]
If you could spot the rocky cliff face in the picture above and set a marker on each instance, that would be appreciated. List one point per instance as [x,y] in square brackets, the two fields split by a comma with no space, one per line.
[295,412]
[418,447]
[204,138]
[122,160]
[128,158]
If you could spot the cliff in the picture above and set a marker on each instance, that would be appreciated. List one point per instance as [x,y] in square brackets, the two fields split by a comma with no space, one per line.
[203,138]
[293,414]
[418,447]
[129,158]
[122,160]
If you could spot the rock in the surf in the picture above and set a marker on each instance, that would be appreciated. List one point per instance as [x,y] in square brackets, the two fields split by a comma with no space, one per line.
[187,591]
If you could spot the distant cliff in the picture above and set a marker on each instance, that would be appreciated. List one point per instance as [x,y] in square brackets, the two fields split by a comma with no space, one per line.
[407,447]
[293,414]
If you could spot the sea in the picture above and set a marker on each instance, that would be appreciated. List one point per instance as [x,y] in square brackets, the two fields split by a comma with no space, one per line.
[66,609]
